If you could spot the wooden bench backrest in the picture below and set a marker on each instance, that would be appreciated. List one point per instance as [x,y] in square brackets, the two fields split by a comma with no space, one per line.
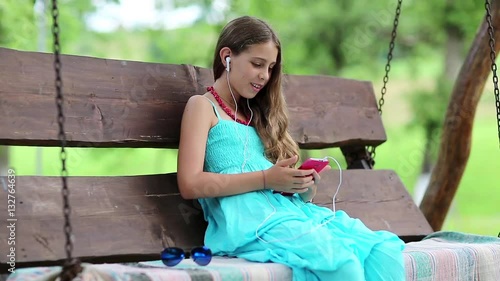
[113,103]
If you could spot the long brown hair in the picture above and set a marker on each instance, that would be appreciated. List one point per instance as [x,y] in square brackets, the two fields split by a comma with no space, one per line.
[270,114]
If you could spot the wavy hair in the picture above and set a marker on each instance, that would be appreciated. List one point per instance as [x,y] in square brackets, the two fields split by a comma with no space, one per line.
[270,114]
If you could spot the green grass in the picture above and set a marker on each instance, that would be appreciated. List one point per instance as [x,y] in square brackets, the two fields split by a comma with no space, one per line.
[476,205]
[94,161]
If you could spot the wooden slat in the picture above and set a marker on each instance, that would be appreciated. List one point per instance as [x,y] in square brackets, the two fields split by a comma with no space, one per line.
[116,103]
[329,111]
[124,218]
[378,198]
[117,219]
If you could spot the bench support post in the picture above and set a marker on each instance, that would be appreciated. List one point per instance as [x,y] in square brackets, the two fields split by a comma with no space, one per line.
[357,157]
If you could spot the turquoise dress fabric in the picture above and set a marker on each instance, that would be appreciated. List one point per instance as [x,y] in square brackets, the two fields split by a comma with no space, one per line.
[263,226]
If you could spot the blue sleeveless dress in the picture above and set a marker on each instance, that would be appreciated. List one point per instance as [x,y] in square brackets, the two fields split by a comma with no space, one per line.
[263,226]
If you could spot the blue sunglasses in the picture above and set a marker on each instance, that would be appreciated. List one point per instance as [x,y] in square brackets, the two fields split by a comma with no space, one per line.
[173,256]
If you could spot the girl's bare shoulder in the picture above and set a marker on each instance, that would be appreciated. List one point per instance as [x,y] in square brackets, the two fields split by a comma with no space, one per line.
[199,107]
[198,102]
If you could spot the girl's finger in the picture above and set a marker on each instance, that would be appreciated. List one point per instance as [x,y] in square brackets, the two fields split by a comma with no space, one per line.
[326,168]
[302,173]
[316,177]
[300,190]
[302,179]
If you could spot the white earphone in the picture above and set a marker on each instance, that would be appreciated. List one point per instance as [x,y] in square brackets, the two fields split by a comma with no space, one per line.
[228,59]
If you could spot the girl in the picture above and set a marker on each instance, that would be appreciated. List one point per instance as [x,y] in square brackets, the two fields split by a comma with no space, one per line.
[236,157]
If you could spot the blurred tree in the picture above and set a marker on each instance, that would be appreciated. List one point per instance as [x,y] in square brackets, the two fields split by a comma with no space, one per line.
[458,21]
[312,40]
[17,25]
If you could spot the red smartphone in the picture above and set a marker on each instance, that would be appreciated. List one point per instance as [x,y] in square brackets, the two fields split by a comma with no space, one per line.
[311,163]
[314,163]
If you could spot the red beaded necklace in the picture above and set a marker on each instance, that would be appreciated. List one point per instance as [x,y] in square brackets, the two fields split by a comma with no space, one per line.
[224,107]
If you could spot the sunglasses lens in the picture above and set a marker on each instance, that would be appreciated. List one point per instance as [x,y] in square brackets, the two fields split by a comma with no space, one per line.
[201,255]
[172,256]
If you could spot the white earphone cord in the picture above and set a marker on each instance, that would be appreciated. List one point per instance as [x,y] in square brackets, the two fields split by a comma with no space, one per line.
[314,228]
[235,114]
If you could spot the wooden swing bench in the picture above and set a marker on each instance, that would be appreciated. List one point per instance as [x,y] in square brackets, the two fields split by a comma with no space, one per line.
[128,219]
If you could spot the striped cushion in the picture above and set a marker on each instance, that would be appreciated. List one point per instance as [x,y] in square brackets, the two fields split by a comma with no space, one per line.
[453,256]
[230,269]
[441,256]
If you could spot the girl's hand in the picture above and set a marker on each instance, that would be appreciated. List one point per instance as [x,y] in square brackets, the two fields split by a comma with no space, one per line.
[311,192]
[281,177]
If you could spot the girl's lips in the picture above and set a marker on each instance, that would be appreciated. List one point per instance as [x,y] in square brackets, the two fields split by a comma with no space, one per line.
[256,87]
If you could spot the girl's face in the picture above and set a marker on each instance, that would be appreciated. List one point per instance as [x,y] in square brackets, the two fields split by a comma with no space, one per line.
[252,68]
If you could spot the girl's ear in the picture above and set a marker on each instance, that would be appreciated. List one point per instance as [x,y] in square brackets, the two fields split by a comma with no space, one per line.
[223,54]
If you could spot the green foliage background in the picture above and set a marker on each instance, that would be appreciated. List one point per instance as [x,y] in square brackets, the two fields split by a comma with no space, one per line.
[342,38]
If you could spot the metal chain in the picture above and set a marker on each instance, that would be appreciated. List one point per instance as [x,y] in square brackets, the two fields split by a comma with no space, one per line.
[371,149]
[71,267]
[493,63]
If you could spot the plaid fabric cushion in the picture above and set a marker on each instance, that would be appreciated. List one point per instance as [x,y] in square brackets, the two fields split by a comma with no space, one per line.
[453,256]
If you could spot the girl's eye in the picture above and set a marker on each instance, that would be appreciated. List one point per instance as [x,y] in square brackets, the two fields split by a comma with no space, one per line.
[257,64]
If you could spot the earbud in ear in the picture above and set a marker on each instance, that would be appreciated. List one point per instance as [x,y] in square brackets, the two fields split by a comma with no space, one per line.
[228,60]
